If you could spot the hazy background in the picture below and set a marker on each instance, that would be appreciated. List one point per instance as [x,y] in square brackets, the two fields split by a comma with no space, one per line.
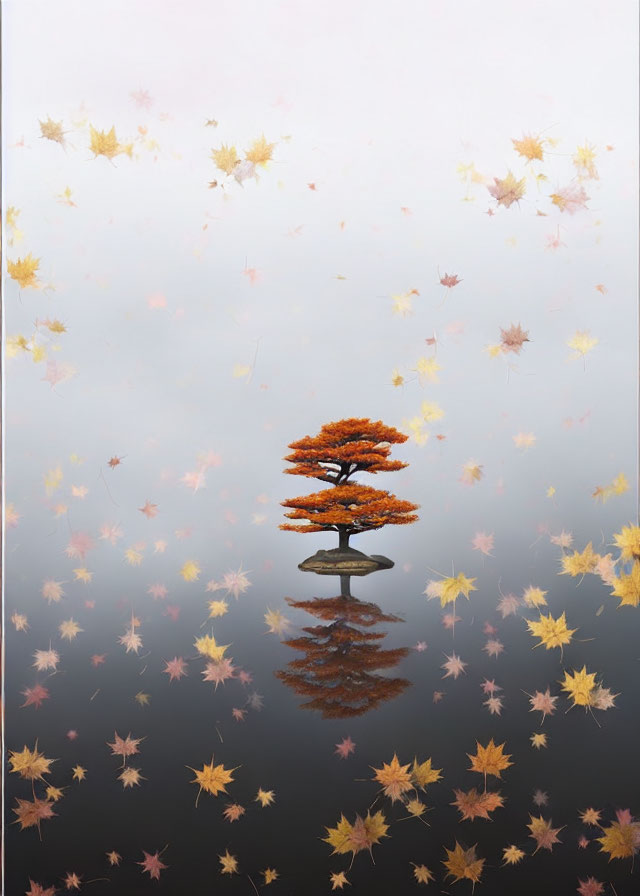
[169,289]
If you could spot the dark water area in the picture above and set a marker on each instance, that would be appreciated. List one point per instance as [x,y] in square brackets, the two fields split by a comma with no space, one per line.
[590,760]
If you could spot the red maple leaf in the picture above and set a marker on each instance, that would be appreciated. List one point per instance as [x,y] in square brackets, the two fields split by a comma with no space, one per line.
[79,544]
[175,668]
[149,510]
[97,659]
[450,280]
[35,696]
[125,746]
[38,890]
[513,338]
[115,461]
[152,864]
[345,747]
[31,813]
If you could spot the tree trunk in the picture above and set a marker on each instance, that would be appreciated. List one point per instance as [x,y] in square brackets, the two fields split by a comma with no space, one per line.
[345,586]
[343,536]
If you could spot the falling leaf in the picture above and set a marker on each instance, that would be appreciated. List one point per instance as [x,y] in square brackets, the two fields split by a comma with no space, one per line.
[473,804]
[212,778]
[260,151]
[570,198]
[581,343]
[190,571]
[422,874]
[152,864]
[552,632]
[225,158]
[23,271]
[543,833]
[511,855]
[580,686]
[489,760]
[529,147]
[395,778]
[463,863]
[508,190]
[229,863]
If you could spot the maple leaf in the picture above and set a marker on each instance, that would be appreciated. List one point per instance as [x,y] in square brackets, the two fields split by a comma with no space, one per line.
[277,622]
[511,855]
[338,880]
[483,543]
[53,480]
[473,804]
[229,863]
[236,582]
[570,198]
[628,540]
[212,778]
[72,881]
[52,130]
[529,147]
[104,143]
[233,812]
[131,640]
[149,510]
[54,793]
[125,747]
[152,864]
[534,597]
[494,705]
[403,303]
[454,666]
[260,152]
[114,462]
[114,857]
[345,747]
[69,629]
[538,740]
[219,671]
[471,472]
[58,373]
[544,703]
[427,368]
[175,668]
[46,659]
[552,632]
[508,190]
[627,587]
[35,696]
[452,587]
[270,874]
[422,874]
[590,816]
[30,764]
[542,832]
[111,532]
[225,158]
[493,647]
[207,646]
[581,342]
[130,777]
[463,863]
[23,271]
[38,890]
[450,280]
[423,774]
[590,887]
[580,686]
[580,563]
[142,698]
[217,607]
[524,440]
[31,813]
[79,544]
[394,778]
[513,338]
[79,773]
[265,797]
[621,839]
[489,760]
[190,571]
[82,574]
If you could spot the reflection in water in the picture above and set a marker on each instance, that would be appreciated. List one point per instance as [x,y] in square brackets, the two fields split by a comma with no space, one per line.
[339,668]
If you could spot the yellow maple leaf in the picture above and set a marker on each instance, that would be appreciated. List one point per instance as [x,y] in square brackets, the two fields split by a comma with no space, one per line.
[529,147]
[552,632]
[538,740]
[212,778]
[23,271]
[264,797]
[579,686]
[431,411]
[427,368]
[471,472]
[452,587]
[628,540]
[620,484]
[79,773]
[422,874]
[534,597]
[581,342]
[338,880]
[217,608]
[54,793]
[511,855]
[340,836]
[53,480]
[584,161]
[30,764]
[396,378]
[52,130]
[627,587]
[580,563]
[508,190]
[620,839]
[190,571]
[422,774]
[260,152]
[206,645]
[133,557]
[104,143]
[270,874]
[82,574]
[403,303]
[489,760]
[229,863]
[416,808]
[463,863]
[225,158]
[394,777]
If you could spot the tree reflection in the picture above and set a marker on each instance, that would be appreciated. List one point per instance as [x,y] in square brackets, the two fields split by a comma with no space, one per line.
[339,667]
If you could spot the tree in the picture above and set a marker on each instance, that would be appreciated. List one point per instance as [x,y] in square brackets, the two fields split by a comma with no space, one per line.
[339,451]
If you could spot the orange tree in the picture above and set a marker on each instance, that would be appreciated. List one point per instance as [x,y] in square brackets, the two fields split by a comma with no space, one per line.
[340,450]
